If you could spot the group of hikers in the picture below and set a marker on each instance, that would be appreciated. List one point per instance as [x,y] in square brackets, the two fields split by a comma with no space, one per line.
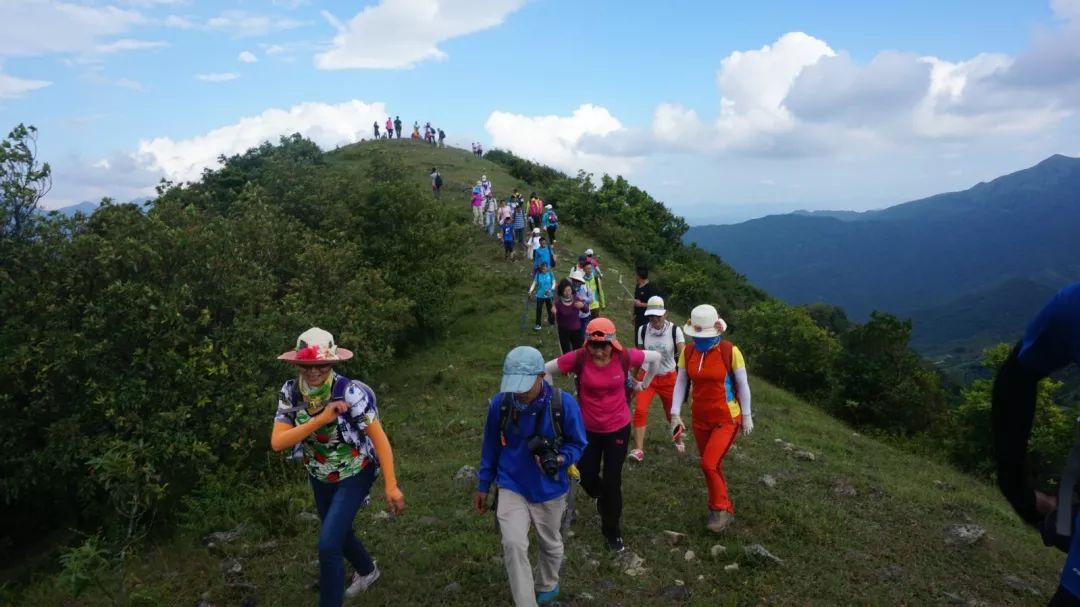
[432,135]
[477,150]
[537,437]
[508,220]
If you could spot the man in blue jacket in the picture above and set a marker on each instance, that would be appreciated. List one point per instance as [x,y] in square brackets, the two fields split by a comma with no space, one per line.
[1051,343]
[528,409]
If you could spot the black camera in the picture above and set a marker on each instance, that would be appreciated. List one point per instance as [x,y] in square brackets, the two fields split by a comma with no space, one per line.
[547,451]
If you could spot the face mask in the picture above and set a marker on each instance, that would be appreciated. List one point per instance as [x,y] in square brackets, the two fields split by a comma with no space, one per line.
[704,344]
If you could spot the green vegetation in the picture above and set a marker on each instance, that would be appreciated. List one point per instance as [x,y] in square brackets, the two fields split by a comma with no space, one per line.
[145,340]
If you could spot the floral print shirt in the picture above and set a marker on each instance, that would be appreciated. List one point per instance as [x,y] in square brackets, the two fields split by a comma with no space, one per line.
[341,448]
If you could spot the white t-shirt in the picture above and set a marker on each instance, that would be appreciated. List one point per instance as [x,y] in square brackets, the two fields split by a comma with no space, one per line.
[661,342]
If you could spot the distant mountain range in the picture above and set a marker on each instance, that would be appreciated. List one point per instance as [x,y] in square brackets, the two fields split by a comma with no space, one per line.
[968,267]
[86,208]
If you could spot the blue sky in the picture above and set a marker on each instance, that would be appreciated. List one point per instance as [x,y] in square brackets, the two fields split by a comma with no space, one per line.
[724,110]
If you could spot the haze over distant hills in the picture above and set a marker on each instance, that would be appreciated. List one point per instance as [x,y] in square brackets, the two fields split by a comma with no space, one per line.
[964,264]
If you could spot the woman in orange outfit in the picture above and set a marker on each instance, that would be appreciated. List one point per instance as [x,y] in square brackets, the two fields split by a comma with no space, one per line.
[715,371]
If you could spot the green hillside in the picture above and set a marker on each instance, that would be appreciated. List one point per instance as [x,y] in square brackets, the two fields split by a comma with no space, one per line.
[861,522]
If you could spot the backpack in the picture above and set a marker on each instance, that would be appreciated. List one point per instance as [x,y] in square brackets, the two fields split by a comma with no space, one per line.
[438,180]
[337,392]
[506,412]
[725,347]
[579,367]
[674,344]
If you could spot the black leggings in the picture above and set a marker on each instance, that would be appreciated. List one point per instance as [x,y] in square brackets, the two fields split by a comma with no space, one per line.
[607,451]
[551,311]
[551,233]
[569,339]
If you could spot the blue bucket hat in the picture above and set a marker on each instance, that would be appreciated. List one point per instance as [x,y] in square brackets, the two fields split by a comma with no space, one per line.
[520,369]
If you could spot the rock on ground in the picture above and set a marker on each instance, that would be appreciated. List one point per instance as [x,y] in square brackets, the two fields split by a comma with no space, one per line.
[769,481]
[964,534]
[760,551]
[466,474]
[1021,585]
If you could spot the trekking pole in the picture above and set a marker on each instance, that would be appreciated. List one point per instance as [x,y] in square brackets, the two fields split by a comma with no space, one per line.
[524,316]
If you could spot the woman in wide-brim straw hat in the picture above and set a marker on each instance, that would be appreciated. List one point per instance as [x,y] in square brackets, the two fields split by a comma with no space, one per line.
[716,373]
[333,421]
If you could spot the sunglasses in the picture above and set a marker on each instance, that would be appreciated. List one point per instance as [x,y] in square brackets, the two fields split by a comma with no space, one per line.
[315,368]
[599,345]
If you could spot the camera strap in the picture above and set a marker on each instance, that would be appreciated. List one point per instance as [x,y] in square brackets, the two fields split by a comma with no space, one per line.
[507,411]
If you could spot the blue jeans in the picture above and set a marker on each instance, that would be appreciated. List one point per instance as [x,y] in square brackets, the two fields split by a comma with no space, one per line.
[489,222]
[337,504]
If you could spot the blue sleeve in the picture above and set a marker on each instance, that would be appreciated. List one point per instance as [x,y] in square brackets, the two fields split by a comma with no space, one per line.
[489,453]
[1052,340]
[573,430]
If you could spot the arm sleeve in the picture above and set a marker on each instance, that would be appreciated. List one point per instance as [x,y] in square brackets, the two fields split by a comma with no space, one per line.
[682,381]
[562,365]
[384,453]
[651,362]
[1011,414]
[679,337]
[573,431]
[742,391]
[489,452]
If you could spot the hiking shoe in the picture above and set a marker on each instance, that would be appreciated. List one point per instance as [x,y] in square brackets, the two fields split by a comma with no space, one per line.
[680,447]
[637,455]
[361,583]
[543,598]
[719,520]
[536,328]
[616,544]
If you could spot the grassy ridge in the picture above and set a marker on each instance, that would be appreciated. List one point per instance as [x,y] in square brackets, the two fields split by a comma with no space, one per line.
[861,524]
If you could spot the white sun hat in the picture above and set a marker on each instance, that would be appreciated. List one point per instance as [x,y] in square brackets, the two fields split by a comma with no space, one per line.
[655,306]
[703,321]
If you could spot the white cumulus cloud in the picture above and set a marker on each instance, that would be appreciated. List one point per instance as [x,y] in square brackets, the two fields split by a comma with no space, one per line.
[37,27]
[244,24]
[397,34]
[10,86]
[556,140]
[218,77]
[247,57]
[328,125]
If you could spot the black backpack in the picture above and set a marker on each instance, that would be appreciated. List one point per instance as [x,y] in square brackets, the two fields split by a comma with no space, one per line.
[674,343]
[507,411]
[438,180]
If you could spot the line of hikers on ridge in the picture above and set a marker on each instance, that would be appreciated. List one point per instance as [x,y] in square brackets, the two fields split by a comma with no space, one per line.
[431,135]
[537,438]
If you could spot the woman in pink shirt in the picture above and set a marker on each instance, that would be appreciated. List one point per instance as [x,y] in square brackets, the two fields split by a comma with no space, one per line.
[602,368]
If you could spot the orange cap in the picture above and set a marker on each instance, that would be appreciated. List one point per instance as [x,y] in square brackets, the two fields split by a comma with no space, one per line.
[602,330]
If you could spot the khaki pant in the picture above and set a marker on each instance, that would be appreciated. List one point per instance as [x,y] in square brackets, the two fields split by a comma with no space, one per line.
[515,514]
[478,215]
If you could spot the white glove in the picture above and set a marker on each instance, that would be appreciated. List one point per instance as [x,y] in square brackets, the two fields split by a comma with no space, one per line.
[677,427]
[747,425]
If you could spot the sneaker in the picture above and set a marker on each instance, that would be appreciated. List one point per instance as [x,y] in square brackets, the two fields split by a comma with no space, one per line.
[680,447]
[719,520]
[616,544]
[361,583]
[536,328]
[637,455]
[543,598]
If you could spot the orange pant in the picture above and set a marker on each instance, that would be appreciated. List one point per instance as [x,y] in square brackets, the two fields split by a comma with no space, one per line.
[662,386]
[713,442]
